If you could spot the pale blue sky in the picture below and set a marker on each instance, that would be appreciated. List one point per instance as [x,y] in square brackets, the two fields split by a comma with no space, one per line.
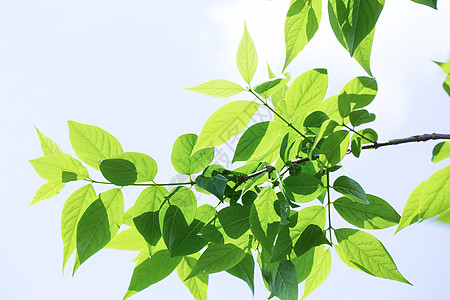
[121,65]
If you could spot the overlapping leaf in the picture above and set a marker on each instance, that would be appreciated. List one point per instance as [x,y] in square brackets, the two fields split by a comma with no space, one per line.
[59,168]
[186,162]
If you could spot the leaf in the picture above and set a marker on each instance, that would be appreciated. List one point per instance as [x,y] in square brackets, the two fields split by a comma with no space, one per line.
[184,161]
[305,94]
[446,85]
[99,224]
[152,270]
[197,285]
[175,226]
[249,141]
[304,264]
[47,145]
[357,93]
[283,245]
[129,240]
[247,58]
[73,209]
[441,151]
[334,148]
[430,3]
[217,258]
[302,188]
[183,198]
[189,241]
[215,184]
[356,145]
[353,23]
[351,189]
[362,251]
[234,220]
[59,168]
[319,272]
[311,237]
[361,116]
[302,22]
[47,191]
[245,270]
[146,213]
[305,217]
[284,284]
[128,168]
[377,214]
[268,88]
[225,123]
[92,144]
[430,198]
[264,221]
[219,88]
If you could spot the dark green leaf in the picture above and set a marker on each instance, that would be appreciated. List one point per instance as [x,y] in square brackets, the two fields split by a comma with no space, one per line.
[283,245]
[175,226]
[351,189]
[361,116]
[183,198]
[311,237]
[441,151]
[334,148]
[285,285]
[268,88]
[356,145]
[378,214]
[362,251]
[234,220]
[302,187]
[245,270]
[215,185]
[152,270]
[305,217]
[430,3]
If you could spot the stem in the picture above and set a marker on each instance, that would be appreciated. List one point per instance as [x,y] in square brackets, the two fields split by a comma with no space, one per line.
[144,184]
[329,206]
[357,133]
[279,116]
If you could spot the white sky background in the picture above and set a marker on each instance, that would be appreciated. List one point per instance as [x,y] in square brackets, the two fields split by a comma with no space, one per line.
[122,65]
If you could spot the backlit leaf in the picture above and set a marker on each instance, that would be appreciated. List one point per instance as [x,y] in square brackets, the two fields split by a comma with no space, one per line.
[92,144]
[441,151]
[247,58]
[46,191]
[334,148]
[219,88]
[305,217]
[320,270]
[311,237]
[129,240]
[128,168]
[47,145]
[357,93]
[225,123]
[184,161]
[268,88]
[362,251]
[377,214]
[351,189]
[59,168]
[249,141]
[197,285]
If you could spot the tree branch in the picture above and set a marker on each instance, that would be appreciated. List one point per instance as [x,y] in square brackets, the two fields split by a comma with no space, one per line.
[414,138]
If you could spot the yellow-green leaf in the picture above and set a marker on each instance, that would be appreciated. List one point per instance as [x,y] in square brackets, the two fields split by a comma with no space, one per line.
[247,58]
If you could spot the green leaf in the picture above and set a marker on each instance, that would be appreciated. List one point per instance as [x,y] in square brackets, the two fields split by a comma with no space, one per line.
[47,145]
[197,285]
[334,148]
[99,224]
[319,272]
[152,270]
[128,168]
[174,227]
[369,136]
[59,168]
[268,88]
[311,237]
[362,251]
[357,93]
[356,145]
[234,220]
[249,141]
[92,144]
[190,241]
[129,240]
[284,284]
[378,214]
[247,58]
[245,270]
[184,161]
[351,189]
[430,198]
[353,23]
[304,264]
[302,22]
[302,188]
[215,184]
[264,221]
[73,209]
[217,258]
[219,88]
[47,191]
[283,245]
[146,213]
[225,123]
[305,94]
[430,3]
[183,198]
[305,217]
[361,116]
[441,151]
[446,85]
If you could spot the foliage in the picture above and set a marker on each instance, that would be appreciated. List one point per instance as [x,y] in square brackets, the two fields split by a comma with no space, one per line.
[287,160]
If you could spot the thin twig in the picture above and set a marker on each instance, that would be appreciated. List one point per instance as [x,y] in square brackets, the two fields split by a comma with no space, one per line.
[411,139]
